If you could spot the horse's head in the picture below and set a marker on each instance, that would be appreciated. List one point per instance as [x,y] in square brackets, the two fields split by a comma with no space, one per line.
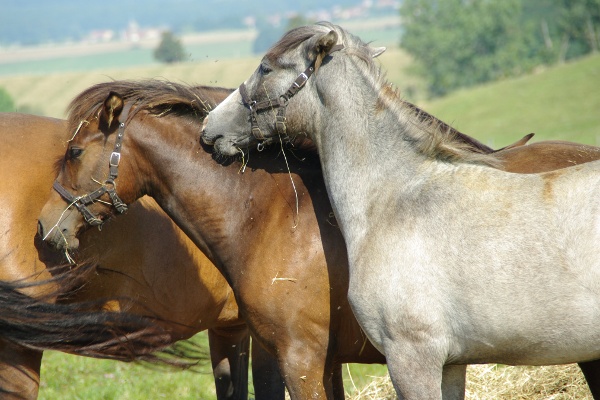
[90,186]
[274,99]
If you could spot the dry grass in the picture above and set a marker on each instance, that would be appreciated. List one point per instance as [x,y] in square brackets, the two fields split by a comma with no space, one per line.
[562,382]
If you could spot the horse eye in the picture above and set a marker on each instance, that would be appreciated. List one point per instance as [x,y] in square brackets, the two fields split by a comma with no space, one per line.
[75,152]
[265,69]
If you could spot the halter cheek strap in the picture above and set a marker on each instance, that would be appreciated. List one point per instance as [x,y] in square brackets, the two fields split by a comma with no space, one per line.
[109,187]
[282,101]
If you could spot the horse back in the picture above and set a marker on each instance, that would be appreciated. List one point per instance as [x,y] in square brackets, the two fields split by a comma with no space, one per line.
[546,156]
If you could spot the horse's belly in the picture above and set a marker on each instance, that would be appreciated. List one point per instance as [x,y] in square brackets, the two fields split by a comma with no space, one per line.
[488,305]
[511,350]
[518,327]
[529,336]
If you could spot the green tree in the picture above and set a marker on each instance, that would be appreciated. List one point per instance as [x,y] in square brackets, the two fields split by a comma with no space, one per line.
[579,24]
[170,49]
[6,102]
[465,42]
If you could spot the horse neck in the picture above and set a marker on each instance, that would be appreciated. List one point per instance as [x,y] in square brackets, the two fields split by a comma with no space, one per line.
[360,146]
[197,193]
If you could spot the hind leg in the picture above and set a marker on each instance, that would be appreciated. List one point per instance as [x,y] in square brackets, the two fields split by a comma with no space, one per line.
[229,356]
[453,382]
[591,371]
[19,372]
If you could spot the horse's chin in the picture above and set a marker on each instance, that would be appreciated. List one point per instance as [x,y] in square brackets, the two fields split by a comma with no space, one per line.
[63,243]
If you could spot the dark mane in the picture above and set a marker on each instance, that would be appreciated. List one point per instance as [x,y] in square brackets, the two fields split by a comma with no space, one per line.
[153,95]
[427,118]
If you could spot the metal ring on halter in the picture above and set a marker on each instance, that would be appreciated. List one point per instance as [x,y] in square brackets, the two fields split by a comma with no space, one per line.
[260,146]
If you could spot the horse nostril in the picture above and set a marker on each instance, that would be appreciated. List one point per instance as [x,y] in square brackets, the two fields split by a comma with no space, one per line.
[208,140]
[204,123]
[40,229]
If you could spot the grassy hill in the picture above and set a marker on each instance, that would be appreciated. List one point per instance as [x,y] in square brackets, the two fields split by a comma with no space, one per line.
[561,102]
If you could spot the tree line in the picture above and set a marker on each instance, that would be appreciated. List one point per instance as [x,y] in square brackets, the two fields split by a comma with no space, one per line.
[460,43]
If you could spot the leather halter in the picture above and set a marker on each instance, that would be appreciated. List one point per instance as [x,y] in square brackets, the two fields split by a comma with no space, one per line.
[282,101]
[109,187]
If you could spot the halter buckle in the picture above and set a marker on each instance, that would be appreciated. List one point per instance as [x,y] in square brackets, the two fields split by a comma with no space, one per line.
[257,133]
[115,159]
[300,80]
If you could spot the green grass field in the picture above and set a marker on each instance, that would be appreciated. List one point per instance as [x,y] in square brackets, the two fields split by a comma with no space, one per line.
[69,377]
[561,102]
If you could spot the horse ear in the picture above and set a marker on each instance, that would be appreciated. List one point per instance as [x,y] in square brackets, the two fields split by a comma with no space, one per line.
[324,45]
[111,110]
[377,51]
[326,42]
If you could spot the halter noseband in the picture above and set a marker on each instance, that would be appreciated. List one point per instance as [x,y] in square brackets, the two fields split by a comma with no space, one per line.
[282,101]
[81,202]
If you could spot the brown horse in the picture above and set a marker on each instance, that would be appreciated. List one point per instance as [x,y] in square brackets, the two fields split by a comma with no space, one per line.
[293,294]
[142,255]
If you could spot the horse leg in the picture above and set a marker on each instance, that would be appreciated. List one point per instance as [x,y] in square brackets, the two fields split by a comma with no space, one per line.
[19,372]
[454,379]
[268,383]
[338,382]
[306,372]
[414,374]
[229,356]
[591,371]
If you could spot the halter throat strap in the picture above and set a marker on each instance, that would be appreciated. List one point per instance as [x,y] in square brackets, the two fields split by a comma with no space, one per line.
[282,101]
[109,187]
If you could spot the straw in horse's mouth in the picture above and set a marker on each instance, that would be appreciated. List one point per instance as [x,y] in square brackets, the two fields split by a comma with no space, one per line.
[244,161]
[297,218]
[67,255]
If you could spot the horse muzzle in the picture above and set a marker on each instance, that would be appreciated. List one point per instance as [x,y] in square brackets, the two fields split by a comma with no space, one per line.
[59,240]
[61,235]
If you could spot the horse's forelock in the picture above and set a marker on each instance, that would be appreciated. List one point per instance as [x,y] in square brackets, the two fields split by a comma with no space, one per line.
[290,40]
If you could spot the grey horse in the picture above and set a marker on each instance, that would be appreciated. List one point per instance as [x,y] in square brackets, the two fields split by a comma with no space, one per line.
[452,262]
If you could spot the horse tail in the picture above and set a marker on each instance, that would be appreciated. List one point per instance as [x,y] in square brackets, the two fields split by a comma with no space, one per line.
[79,328]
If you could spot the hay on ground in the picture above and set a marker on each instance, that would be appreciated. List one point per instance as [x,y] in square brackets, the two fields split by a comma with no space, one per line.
[491,381]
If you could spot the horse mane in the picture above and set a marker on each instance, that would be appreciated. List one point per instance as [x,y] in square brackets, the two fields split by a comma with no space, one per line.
[431,136]
[155,96]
